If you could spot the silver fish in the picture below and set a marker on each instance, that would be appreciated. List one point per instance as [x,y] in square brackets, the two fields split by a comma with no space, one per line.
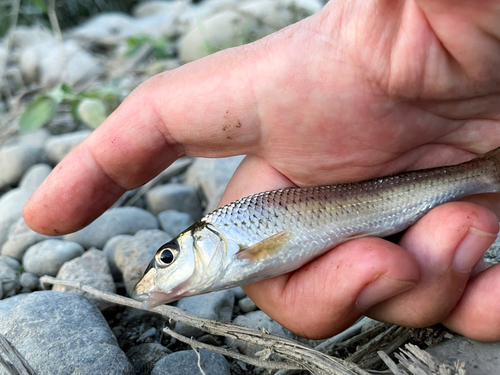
[275,232]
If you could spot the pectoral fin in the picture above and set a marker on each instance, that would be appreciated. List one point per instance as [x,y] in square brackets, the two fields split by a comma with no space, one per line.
[265,248]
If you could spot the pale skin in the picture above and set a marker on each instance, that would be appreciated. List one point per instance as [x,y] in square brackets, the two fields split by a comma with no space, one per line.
[359,90]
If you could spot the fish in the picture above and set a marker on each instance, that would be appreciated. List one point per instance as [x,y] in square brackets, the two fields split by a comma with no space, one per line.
[275,232]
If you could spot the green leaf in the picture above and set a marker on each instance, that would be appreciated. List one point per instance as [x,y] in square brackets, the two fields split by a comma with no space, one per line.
[92,112]
[38,113]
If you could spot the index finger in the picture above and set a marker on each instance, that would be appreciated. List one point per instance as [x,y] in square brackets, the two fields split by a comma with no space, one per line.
[198,109]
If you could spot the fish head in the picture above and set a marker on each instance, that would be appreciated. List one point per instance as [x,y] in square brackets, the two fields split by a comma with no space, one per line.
[183,267]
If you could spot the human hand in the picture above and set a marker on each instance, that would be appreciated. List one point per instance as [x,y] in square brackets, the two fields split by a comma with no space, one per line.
[361,89]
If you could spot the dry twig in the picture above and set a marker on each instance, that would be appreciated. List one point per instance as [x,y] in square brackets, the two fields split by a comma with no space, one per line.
[17,365]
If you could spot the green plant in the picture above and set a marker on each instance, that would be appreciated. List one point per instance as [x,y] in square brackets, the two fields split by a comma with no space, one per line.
[161,48]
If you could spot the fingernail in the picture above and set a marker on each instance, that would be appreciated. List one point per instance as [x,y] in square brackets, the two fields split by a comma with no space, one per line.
[380,290]
[467,254]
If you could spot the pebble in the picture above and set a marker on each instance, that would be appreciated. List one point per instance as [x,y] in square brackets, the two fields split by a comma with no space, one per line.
[105,30]
[257,320]
[11,207]
[211,176]
[216,305]
[11,262]
[110,248]
[9,281]
[174,222]
[143,357]
[34,177]
[47,257]
[246,305]
[35,139]
[63,333]
[239,293]
[93,270]
[132,257]
[30,281]
[58,146]
[15,160]
[20,238]
[481,358]
[186,363]
[7,304]
[179,197]
[115,221]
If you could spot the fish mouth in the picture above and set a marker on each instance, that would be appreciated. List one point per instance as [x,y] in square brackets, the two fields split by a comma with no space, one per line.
[146,292]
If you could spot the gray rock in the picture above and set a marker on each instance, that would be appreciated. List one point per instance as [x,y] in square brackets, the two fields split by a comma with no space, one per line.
[210,177]
[20,238]
[186,363]
[179,197]
[257,320]
[151,8]
[8,303]
[121,220]
[35,138]
[143,357]
[110,248]
[246,305]
[11,207]
[174,222]
[47,257]
[15,160]
[34,177]
[492,255]
[106,29]
[239,293]
[481,358]
[217,305]
[132,257]
[63,333]
[92,269]
[9,281]
[27,35]
[30,281]
[11,262]
[58,146]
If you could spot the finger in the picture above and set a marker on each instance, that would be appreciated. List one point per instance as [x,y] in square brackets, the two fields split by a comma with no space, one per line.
[323,297]
[477,314]
[447,243]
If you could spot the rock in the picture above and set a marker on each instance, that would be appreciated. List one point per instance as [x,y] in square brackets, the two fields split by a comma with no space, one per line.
[186,363]
[15,160]
[115,221]
[8,303]
[257,320]
[34,177]
[105,29]
[58,146]
[9,281]
[35,138]
[20,238]
[30,281]
[179,197]
[11,262]
[47,257]
[110,248]
[143,357]
[239,293]
[216,305]
[492,255]
[28,35]
[174,222]
[11,207]
[210,177]
[481,358]
[93,270]
[132,257]
[151,8]
[246,305]
[63,333]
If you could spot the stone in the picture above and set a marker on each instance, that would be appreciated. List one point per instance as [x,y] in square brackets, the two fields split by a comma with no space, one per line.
[15,160]
[11,262]
[132,257]
[24,36]
[8,303]
[211,176]
[30,281]
[143,357]
[216,305]
[11,207]
[492,255]
[58,146]
[239,293]
[20,238]
[110,248]
[91,269]
[481,358]
[246,305]
[34,177]
[174,222]
[186,363]
[151,8]
[63,333]
[47,257]
[179,197]
[9,281]
[115,221]
[35,138]
[258,320]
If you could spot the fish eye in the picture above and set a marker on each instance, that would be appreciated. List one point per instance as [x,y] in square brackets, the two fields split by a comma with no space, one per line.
[166,255]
